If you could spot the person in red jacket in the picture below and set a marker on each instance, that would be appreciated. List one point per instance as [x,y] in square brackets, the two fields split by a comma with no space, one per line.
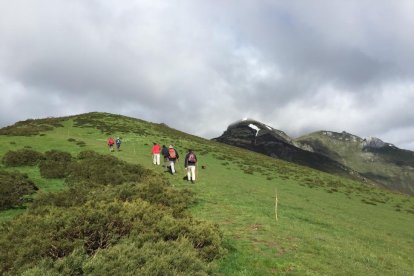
[156,149]
[111,143]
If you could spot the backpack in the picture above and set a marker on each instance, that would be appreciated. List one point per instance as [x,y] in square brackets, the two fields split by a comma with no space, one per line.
[171,153]
[192,158]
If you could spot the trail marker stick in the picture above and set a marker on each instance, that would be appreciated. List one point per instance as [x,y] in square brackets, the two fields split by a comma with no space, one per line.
[276,205]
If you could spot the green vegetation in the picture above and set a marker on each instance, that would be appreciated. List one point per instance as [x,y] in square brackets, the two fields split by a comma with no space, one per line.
[14,186]
[389,166]
[76,231]
[23,157]
[55,164]
[326,224]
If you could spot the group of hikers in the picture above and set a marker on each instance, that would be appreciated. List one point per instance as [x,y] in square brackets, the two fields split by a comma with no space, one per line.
[169,154]
[112,142]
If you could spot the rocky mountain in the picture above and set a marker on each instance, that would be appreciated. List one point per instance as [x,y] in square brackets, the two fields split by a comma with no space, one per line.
[340,153]
[373,158]
[259,137]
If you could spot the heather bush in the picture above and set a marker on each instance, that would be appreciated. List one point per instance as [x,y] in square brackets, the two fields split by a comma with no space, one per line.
[22,157]
[93,168]
[14,186]
[54,232]
[55,164]
[153,258]
[31,127]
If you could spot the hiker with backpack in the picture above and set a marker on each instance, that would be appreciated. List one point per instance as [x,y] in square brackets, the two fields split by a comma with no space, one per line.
[190,164]
[118,143]
[156,149]
[165,154]
[111,143]
[172,157]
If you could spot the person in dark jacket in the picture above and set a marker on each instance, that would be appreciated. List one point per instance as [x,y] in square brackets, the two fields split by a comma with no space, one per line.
[164,152]
[118,143]
[172,157]
[190,164]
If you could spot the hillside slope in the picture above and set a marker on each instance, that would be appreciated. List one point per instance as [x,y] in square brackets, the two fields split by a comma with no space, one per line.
[382,162]
[325,224]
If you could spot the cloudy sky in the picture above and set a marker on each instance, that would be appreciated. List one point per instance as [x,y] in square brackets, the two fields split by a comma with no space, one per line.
[299,66]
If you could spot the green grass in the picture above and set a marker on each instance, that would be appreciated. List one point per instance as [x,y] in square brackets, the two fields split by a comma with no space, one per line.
[326,225]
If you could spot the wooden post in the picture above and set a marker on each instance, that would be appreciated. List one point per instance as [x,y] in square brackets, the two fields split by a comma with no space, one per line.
[276,204]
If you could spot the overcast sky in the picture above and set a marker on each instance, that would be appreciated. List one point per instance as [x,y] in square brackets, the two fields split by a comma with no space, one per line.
[299,66]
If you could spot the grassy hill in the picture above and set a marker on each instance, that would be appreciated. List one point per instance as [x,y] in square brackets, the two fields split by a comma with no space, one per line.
[327,225]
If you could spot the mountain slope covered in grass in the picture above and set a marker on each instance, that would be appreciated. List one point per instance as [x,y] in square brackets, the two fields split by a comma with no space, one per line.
[381,162]
[325,224]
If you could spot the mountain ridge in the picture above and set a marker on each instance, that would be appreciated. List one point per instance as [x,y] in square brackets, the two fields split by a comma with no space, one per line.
[341,153]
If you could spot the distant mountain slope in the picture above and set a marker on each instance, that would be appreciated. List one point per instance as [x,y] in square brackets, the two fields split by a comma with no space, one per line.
[379,161]
[258,137]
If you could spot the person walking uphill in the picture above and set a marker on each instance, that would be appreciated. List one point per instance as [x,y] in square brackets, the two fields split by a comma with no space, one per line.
[190,164]
[165,153]
[172,157]
[156,149]
[118,143]
[111,143]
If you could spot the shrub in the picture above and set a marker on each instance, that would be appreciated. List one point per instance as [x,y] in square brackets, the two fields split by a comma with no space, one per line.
[55,164]
[55,232]
[22,157]
[153,258]
[14,187]
[93,168]
[32,127]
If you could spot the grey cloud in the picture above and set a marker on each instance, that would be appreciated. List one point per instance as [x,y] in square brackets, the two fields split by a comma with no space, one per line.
[298,66]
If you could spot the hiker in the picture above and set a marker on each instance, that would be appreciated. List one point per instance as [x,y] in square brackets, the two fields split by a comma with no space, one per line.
[156,149]
[118,143]
[172,157]
[190,164]
[111,143]
[165,153]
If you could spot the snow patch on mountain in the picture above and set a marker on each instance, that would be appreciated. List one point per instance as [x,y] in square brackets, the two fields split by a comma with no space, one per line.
[254,127]
[373,142]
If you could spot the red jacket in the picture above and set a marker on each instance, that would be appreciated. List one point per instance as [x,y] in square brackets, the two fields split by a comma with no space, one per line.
[156,149]
[111,141]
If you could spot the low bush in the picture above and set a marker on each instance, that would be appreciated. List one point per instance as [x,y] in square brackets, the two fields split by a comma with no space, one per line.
[31,127]
[14,186]
[22,157]
[55,164]
[153,258]
[93,168]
